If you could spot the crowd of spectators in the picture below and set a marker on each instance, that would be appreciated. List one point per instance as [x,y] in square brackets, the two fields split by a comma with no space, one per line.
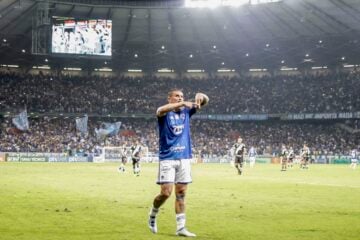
[210,138]
[318,93]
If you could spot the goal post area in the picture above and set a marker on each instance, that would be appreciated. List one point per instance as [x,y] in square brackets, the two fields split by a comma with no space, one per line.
[115,154]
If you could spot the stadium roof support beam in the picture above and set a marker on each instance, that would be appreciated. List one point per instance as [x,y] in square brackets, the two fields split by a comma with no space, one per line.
[288,15]
[347,9]
[70,10]
[149,60]
[8,9]
[109,13]
[124,41]
[90,12]
[128,26]
[237,25]
[293,12]
[28,30]
[41,22]
[124,3]
[220,35]
[256,18]
[19,19]
[348,6]
[282,24]
[327,18]
[197,40]
[243,32]
[174,43]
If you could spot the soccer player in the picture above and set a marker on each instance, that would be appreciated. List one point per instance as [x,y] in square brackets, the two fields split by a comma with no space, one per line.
[252,156]
[290,157]
[354,159]
[305,157]
[174,155]
[135,157]
[283,157]
[239,152]
[123,159]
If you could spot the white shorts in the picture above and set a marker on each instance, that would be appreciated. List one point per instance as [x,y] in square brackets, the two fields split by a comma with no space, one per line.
[252,159]
[174,171]
[354,160]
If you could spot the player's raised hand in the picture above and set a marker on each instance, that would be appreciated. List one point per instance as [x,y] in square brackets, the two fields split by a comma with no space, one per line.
[201,99]
[198,100]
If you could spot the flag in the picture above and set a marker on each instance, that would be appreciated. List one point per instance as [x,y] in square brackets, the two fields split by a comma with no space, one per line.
[21,121]
[108,129]
[81,124]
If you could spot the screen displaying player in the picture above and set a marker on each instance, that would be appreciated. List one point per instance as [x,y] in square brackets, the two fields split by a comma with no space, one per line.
[81,36]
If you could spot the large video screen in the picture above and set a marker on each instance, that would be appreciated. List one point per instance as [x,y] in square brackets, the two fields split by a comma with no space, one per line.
[81,36]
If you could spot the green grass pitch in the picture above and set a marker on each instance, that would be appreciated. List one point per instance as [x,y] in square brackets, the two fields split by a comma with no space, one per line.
[73,201]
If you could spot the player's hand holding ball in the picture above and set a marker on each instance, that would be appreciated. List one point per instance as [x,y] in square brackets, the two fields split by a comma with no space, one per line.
[201,99]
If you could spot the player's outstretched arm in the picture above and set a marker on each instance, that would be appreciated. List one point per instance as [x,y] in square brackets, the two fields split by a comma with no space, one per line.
[201,99]
[161,111]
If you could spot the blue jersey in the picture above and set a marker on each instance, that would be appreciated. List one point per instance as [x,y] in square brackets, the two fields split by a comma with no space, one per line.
[174,135]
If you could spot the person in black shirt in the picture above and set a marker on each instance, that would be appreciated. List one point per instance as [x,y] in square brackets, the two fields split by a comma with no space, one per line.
[239,152]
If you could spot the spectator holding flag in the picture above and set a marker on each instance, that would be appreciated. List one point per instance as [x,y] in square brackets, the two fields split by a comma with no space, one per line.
[81,124]
[107,129]
[21,121]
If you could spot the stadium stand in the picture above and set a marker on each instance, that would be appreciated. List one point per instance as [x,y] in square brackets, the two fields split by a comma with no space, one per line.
[211,138]
[318,93]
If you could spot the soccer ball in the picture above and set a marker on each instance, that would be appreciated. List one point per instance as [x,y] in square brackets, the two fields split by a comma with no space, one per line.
[205,98]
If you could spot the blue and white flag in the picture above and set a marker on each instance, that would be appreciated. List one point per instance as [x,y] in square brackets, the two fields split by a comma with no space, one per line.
[108,129]
[81,124]
[21,121]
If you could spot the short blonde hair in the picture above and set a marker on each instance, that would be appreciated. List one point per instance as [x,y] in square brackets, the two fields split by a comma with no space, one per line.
[174,90]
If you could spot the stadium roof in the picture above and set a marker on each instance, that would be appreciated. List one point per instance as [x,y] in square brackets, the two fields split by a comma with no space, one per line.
[150,35]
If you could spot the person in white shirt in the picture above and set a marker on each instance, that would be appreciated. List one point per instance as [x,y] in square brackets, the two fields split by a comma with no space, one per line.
[252,156]
[354,159]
